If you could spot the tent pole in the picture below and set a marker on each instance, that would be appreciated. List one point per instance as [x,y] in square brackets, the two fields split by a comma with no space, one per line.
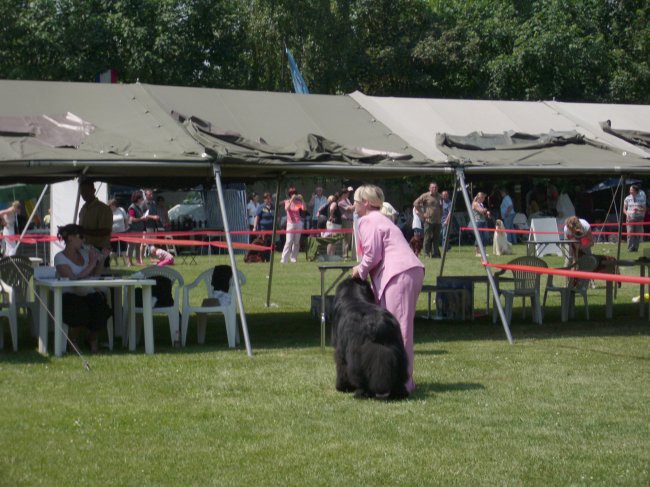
[461,180]
[31,217]
[76,205]
[276,214]
[620,220]
[451,218]
[231,254]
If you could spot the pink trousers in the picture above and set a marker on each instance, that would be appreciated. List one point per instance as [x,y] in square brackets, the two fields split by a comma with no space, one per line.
[164,262]
[400,298]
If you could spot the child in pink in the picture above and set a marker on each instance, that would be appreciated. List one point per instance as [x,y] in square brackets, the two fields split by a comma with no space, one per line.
[162,256]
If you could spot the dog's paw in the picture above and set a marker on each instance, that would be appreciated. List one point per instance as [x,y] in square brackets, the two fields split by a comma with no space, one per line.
[400,393]
[362,394]
[344,387]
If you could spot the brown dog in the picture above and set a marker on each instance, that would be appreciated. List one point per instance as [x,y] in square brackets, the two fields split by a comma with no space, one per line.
[416,244]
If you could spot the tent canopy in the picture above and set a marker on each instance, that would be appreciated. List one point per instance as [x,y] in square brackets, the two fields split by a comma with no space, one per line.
[54,130]
[419,121]
[559,152]
[145,133]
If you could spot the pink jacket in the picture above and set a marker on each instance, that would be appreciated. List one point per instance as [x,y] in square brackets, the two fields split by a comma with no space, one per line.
[385,251]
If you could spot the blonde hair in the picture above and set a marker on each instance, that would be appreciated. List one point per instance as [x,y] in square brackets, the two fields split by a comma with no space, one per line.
[371,193]
[480,194]
[388,210]
[574,226]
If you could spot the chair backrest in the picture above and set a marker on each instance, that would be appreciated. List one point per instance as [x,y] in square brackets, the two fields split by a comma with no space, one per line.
[221,275]
[176,279]
[16,272]
[45,272]
[242,281]
[231,287]
[586,263]
[524,280]
[169,273]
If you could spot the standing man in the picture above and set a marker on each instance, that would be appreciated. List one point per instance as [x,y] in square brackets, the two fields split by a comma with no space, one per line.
[96,219]
[446,215]
[429,208]
[347,220]
[264,223]
[152,216]
[316,202]
[507,210]
[634,208]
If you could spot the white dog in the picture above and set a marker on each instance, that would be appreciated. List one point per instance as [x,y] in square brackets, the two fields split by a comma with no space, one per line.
[501,246]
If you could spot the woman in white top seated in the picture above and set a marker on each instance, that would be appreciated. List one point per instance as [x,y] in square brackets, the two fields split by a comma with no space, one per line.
[82,307]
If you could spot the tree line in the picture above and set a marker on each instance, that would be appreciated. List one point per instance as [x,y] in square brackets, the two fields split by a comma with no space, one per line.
[570,50]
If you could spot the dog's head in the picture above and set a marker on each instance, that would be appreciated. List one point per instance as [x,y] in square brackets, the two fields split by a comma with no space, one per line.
[499,224]
[416,244]
[355,290]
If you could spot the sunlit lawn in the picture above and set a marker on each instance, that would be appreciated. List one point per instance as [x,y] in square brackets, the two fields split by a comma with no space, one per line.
[567,403]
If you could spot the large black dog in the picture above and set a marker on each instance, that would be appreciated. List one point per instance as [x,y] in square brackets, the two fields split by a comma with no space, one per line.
[370,356]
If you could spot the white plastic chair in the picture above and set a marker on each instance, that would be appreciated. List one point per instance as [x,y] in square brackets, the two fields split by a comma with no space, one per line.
[8,310]
[525,284]
[587,263]
[15,274]
[209,305]
[172,312]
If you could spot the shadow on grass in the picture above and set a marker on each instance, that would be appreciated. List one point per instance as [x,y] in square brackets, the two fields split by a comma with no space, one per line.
[606,352]
[431,352]
[296,330]
[23,357]
[424,389]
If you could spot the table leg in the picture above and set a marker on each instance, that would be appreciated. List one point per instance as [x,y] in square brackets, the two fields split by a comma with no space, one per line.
[147,320]
[609,299]
[43,318]
[322,311]
[132,322]
[58,322]
[642,294]
[118,323]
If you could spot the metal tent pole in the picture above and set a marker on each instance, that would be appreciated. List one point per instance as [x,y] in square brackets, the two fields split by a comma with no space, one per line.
[31,217]
[451,218]
[620,220]
[461,180]
[231,254]
[276,214]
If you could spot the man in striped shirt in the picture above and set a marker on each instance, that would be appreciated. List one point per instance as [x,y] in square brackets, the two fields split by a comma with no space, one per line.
[634,208]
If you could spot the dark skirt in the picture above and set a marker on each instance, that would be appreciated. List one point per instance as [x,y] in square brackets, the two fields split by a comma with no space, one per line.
[89,311]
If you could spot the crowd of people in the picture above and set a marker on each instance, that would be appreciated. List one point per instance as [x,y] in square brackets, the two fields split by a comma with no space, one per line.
[383,249]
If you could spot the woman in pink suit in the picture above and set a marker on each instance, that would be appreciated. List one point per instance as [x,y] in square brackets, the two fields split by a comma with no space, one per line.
[395,272]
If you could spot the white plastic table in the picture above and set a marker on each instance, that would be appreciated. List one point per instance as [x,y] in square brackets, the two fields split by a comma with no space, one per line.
[57,285]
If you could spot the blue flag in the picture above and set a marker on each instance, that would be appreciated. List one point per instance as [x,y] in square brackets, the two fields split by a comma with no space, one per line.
[299,85]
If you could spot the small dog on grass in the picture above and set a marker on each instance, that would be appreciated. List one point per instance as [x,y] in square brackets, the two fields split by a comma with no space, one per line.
[500,244]
[370,356]
[416,244]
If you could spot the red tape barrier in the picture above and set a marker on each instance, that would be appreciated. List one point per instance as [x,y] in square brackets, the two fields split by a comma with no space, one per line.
[191,243]
[597,276]
[131,236]
[530,232]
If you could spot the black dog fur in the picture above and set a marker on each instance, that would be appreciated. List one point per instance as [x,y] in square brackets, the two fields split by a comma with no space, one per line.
[370,356]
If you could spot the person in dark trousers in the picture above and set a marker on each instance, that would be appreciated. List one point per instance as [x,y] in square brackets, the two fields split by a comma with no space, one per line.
[428,207]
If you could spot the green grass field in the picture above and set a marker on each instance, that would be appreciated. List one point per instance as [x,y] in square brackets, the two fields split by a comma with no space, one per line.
[567,403]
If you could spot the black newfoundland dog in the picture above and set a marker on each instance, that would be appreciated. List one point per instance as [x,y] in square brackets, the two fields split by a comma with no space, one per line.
[370,356]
